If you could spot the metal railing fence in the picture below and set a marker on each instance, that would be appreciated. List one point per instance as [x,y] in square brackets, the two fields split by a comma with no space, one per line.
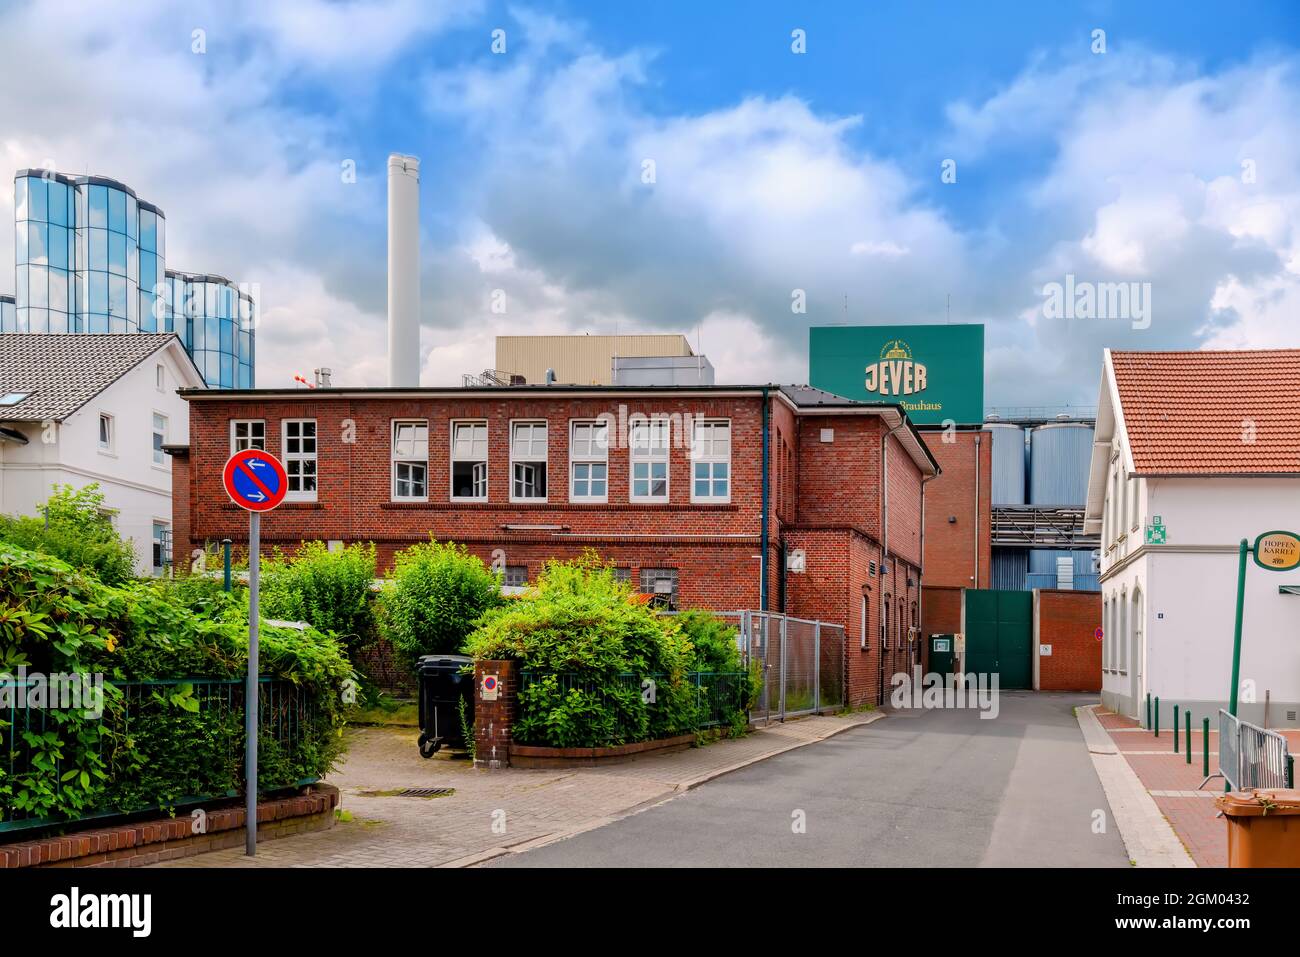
[717,694]
[1251,756]
[802,662]
[146,708]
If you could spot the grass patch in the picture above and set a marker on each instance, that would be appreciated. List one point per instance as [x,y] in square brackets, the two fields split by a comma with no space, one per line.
[391,712]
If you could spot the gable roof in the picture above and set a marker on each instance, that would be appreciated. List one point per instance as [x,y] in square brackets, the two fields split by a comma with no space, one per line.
[1211,412]
[61,372]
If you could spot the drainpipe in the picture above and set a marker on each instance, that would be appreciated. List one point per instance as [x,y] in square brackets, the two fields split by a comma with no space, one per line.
[884,487]
[762,558]
[920,572]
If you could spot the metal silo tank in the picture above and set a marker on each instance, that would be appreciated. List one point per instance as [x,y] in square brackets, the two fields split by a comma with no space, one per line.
[1008,463]
[1059,457]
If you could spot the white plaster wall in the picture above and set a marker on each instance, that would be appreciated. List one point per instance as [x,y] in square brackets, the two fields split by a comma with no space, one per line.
[138,490]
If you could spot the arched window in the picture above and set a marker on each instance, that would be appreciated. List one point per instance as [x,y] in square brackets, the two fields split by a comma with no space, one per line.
[866,622]
[1121,634]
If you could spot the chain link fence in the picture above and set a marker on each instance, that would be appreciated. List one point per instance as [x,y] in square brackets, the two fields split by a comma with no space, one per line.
[802,662]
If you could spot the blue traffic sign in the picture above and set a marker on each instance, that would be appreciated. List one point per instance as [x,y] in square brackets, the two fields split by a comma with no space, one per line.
[255,480]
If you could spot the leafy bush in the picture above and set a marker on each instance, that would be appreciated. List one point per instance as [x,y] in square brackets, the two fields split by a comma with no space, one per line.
[439,590]
[713,641]
[79,532]
[608,668]
[329,590]
[181,738]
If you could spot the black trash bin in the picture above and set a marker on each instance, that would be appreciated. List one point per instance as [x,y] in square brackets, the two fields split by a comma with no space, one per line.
[443,686]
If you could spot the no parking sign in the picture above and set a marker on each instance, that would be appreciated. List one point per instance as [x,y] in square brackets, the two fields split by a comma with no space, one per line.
[256,482]
[490,687]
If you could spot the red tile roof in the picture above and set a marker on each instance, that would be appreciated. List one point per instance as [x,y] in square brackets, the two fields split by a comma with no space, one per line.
[1209,413]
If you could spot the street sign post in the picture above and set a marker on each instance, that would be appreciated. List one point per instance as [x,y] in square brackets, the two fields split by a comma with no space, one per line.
[256,482]
[1278,552]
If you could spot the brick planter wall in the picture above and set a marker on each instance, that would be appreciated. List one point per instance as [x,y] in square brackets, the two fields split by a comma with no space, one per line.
[530,756]
[164,839]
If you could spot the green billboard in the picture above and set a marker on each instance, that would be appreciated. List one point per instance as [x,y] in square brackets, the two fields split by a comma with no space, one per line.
[936,373]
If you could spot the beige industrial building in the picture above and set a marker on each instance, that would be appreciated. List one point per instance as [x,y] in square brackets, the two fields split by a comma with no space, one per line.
[590,360]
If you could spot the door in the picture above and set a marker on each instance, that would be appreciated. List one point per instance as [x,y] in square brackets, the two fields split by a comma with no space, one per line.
[999,636]
[941,654]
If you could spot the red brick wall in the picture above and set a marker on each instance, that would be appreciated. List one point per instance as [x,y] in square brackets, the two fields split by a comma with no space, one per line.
[824,497]
[1068,621]
[950,546]
[941,608]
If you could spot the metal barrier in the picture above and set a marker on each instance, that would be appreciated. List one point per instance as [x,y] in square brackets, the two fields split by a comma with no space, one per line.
[1251,756]
[802,661]
[146,713]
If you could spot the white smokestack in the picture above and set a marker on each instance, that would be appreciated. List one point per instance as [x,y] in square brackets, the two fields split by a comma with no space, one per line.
[403,270]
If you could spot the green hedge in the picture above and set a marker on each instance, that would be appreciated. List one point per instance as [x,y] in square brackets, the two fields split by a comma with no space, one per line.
[153,744]
[590,648]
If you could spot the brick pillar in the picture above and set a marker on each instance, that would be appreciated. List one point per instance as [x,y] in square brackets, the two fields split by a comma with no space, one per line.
[493,719]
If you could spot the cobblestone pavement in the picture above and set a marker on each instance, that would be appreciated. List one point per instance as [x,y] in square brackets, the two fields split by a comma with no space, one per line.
[1173,783]
[494,812]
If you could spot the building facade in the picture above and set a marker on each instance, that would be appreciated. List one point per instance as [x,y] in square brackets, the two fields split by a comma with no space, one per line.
[90,257]
[584,360]
[1196,451]
[96,408]
[669,484]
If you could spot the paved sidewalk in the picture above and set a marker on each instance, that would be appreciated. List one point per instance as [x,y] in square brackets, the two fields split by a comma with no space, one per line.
[1173,784]
[1150,839]
[496,812]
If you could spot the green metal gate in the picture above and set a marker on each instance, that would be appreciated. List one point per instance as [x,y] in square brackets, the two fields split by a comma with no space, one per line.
[999,636]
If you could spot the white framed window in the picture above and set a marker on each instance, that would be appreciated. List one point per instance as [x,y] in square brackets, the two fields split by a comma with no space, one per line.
[1133,502]
[884,624]
[589,461]
[410,449]
[711,460]
[299,457]
[106,432]
[161,546]
[247,434]
[528,461]
[648,456]
[469,461]
[866,626]
[159,438]
[160,377]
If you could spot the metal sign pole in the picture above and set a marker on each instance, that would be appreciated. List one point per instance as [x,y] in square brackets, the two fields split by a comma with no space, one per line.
[1243,551]
[250,694]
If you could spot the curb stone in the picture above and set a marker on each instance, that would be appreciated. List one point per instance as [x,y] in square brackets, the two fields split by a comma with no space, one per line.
[1150,839]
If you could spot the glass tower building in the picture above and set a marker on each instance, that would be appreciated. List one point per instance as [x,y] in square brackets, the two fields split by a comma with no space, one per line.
[90,256]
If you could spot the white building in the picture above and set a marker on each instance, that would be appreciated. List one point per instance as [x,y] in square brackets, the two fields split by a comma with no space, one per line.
[1195,451]
[83,408]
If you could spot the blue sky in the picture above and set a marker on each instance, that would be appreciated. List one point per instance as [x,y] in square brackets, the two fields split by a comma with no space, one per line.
[1172,158]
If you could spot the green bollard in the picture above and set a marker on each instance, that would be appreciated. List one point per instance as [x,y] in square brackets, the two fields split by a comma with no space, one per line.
[1189,736]
[1156,726]
[1175,729]
[1148,724]
[1205,747]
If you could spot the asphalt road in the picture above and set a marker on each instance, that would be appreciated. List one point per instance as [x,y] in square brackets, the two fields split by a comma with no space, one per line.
[918,788]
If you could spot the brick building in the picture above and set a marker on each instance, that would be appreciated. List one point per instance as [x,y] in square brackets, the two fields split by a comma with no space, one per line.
[666,482]
[958,506]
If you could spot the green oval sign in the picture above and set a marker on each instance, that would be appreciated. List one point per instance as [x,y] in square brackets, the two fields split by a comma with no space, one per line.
[1278,551]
